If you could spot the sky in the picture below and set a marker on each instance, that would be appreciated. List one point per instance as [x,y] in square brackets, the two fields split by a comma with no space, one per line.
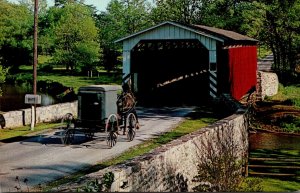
[99,4]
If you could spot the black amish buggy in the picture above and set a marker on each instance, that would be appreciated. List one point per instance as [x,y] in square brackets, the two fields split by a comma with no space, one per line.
[102,108]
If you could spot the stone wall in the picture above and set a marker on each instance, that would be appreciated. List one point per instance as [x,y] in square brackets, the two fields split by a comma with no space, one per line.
[43,114]
[267,84]
[172,167]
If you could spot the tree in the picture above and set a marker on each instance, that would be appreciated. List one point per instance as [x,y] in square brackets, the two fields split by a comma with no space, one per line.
[276,24]
[42,9]
[183,11]
[15,35]
[76,44]
[3,73]
[62,3]
[282,22]
[217,13]
[47,23]
[123,17]
[253,17]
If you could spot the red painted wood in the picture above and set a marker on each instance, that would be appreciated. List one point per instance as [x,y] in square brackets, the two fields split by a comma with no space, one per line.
[242,70]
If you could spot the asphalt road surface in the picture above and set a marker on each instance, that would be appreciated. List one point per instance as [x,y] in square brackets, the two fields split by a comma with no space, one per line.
[44,158]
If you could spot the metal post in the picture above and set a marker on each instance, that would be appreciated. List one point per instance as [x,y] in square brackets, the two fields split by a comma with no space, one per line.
[35,60]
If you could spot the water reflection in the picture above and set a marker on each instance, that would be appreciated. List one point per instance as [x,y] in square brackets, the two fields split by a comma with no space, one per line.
[262,140]
[47,100]
[13,97]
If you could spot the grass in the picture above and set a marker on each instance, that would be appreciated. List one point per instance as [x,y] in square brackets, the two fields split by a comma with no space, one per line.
[67,81]
[288,97]
[10,133]
[290,123]
[193,122]
[60,75]
[78,81]
[289,93]
[186,127]
[276,185]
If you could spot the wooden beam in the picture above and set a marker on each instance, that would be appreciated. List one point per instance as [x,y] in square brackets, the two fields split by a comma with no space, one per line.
[274,159]
[271,174]
[272,166]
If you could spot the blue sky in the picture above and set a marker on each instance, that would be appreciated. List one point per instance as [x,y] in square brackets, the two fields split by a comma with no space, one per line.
[99,4]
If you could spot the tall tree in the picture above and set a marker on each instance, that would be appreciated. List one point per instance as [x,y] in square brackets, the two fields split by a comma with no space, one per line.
[282,22]
[76,38]
[46,34]
[222,13]
[183,11]
[123,17]
[276,24]
[218,13]
[15,34]
[3,72]
[42,9]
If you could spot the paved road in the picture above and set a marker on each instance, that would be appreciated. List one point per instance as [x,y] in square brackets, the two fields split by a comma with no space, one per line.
[265,64]
[44,158]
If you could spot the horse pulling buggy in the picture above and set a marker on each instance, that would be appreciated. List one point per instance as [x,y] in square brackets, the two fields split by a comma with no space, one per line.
[102,108]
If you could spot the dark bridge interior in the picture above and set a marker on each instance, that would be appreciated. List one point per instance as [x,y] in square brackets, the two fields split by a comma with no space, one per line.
[171,72]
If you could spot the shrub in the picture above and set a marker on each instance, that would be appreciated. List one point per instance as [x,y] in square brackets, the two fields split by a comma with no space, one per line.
[220,168]
[250,185]
[46,67]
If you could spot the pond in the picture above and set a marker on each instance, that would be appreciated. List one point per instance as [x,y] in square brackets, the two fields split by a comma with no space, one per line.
[274,155]
[13,96]
[266,140]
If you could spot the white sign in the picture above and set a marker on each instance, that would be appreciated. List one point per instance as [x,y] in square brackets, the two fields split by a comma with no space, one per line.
[33,99]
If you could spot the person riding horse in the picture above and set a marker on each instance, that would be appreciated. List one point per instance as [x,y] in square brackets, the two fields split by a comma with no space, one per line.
[126,102]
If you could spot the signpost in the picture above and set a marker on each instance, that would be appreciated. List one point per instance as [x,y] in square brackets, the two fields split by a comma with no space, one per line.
[33,99]
[35,59]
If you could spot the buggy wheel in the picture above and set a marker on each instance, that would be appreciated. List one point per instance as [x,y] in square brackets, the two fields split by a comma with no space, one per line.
[111,127]
[66,121]
[111,139]
[111,123]
[131,126]
[69,136]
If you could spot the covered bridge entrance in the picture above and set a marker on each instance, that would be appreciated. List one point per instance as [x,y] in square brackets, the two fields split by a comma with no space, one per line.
[171,62]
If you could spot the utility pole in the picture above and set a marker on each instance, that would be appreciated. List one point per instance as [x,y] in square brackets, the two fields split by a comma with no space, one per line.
[35,61]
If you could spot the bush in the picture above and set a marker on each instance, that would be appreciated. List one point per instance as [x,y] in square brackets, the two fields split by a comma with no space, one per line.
[20,78]
[250,185]
[220,168]
[102,185]
[46,67]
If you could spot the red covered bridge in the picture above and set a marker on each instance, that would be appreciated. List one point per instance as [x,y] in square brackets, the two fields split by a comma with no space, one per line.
[189,62]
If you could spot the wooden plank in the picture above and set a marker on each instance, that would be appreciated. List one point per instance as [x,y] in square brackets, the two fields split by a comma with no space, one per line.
[271,174]
[274,159]
[278,167]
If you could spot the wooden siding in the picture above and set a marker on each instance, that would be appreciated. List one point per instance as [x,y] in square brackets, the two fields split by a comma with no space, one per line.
[169,32]
[242,70]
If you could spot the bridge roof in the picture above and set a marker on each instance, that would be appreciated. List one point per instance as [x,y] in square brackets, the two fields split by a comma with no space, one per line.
[221,35]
